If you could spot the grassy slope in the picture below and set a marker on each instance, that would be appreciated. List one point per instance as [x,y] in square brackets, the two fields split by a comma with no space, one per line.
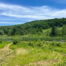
[26,52]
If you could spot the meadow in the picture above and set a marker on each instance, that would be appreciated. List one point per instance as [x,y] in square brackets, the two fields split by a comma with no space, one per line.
[32,52]
[38,43]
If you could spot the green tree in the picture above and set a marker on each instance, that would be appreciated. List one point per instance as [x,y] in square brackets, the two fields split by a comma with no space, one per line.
[53,31]
[64,30]
[1,32]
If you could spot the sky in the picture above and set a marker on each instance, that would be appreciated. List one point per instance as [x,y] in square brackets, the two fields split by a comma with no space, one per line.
[14,12]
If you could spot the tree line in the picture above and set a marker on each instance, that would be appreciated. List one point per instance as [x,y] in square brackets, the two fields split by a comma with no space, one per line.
[34,27]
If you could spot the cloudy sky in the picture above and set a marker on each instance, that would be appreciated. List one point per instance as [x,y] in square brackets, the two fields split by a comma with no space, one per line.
[20,11]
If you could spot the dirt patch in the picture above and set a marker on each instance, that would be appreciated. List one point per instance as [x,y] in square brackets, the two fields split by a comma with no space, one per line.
[43,63]
[6,48]
[21,51]
[5,53]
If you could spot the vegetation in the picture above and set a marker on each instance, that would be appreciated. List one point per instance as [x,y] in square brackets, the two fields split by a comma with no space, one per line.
[31,52]
[31,27]
[64,30]
[37,43]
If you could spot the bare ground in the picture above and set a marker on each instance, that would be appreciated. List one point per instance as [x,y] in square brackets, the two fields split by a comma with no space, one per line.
[5,52]
[43,63]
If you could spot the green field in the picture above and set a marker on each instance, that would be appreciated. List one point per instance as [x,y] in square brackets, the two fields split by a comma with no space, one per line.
[32,52]
[38,43]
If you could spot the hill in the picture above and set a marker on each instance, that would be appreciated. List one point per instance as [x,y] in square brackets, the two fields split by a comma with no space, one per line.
[32,27]
[35,43]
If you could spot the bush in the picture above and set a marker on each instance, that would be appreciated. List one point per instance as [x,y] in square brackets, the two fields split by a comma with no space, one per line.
[30,44]
[56,44]
[0,41]
[15,42]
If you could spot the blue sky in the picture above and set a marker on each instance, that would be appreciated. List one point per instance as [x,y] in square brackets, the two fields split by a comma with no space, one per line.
[20,11]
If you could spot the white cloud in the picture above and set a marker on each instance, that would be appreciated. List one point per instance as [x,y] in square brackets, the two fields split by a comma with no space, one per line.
[35,13]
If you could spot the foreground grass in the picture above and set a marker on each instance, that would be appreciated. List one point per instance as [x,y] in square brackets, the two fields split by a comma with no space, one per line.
[34,53]
[3,43]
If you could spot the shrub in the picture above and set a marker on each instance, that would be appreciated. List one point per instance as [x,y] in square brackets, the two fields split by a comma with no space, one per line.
[15,42]
[0,41]
[58,44]
[30,44]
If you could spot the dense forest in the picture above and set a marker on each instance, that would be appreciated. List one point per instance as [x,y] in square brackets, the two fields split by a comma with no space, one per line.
[34,27]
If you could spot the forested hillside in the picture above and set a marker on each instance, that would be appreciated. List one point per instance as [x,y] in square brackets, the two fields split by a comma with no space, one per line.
[33,27]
